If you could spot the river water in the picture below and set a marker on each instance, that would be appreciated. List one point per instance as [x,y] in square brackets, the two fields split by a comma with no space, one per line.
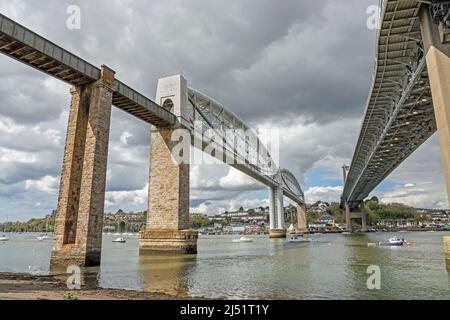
[333,266]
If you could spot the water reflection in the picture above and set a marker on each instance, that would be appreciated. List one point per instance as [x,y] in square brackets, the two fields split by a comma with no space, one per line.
[88,277]
[357,262]
[166,273]
[333,266]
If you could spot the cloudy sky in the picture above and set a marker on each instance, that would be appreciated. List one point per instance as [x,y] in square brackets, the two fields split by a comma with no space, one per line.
[301,66]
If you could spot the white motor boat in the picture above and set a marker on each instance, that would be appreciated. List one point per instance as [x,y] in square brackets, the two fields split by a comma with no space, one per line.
[299,239]
[243,239]
[44,237]
[4,238]
[395,242]
[119,240]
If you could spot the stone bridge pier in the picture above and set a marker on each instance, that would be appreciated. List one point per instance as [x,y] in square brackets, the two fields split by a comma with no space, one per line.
[79,219]
[167,227]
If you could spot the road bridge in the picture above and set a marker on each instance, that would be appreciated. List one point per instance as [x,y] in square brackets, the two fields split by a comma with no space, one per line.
[409,99]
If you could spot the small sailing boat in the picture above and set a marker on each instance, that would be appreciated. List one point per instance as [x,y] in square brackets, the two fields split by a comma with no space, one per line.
[4,238]
[44,236]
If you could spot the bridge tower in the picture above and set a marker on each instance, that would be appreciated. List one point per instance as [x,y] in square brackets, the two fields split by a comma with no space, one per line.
[167,227]
[436,40]
[79,217]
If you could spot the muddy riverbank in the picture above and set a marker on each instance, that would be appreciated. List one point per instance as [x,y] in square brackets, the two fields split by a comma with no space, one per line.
[22,286]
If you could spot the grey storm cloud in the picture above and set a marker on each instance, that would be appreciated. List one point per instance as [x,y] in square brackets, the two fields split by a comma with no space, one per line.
[304,66]
[251,55]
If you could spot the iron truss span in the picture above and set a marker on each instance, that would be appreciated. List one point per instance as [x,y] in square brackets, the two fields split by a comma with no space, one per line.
[211,120]
[399,114]
[33,50]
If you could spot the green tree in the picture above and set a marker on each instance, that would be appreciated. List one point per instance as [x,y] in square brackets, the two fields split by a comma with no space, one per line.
[200,221]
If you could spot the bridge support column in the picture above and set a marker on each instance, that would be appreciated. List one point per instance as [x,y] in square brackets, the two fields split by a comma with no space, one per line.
[363,219]
[438,65]
[280,230]
[79,218]
[167,226]
[302,224]
[348,219]
[272,216]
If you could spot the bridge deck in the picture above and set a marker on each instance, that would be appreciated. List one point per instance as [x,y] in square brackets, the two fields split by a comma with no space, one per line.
[33,50]
[399,114]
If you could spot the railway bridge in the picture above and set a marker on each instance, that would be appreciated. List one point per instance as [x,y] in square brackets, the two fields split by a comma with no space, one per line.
[179,111]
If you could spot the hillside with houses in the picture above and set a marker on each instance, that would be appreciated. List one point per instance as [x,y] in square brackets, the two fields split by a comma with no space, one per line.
[321,217]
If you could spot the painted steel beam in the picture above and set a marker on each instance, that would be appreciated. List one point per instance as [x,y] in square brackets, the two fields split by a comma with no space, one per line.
[399,115]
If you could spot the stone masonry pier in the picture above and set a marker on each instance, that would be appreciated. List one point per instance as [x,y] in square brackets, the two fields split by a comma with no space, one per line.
[78,230]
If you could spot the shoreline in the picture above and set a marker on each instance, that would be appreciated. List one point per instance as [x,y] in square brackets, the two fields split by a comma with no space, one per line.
[24,286]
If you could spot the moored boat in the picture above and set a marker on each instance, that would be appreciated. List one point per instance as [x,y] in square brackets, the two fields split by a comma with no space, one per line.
[44,237]
[393,242]
[119,240]
[243,239]
[4,238]
[299,239]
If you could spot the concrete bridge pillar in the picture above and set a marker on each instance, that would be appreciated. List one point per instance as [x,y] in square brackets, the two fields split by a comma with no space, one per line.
[437,52]
[363,219]
[272,215]
[79,218]
[348,219]
[279,231]
[361,214]
[168,224]
[302,224]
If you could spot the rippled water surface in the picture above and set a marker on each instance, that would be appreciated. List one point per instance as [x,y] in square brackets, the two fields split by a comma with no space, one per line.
[331,267]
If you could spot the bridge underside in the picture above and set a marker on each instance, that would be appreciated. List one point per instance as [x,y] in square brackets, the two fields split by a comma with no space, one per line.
[401,111]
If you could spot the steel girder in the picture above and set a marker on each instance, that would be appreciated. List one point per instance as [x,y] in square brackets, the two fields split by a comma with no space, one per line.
[399,114]
[210,120]
[290,183]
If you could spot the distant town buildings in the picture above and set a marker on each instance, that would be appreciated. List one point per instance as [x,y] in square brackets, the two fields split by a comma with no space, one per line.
[318,207]
[256,220]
